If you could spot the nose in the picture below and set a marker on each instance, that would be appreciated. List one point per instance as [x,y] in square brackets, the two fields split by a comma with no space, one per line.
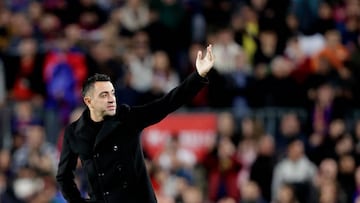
[111,98]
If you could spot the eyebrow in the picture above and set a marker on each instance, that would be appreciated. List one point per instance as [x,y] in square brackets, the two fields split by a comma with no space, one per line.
[112,91]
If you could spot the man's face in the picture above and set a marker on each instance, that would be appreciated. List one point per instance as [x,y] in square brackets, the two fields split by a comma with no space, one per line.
[102,100]
[296,150]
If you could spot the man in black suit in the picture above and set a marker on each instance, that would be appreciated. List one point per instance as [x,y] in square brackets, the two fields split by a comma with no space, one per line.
[106,139]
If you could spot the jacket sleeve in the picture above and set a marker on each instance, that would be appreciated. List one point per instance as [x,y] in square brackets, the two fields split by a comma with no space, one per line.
[151,113]
[65,175]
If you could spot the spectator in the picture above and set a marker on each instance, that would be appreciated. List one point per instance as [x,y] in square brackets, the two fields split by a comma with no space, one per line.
[5,164]
[36,152]
[226,127]
[222,168]
[283,89]
[246,155]
[139,61]
[251,128]
[89,14]
[306,12]
[286,194]
[251,132]
[49,28]
[192,195]
[24,80]
[330,193]
[267,48]
[5,24]
[250,192]
[299,60]
[21,28]
[227,50]
[324,21]
[27,186]
[73,34]
[64,72]
[346,176]
[262,169]
[240,79]
[24,115]
[290,127]
[327,187]
[349,32]
[164,76]
[134,15]
[170,21]
[324,109]
[257,91]
[176,159]
[103,60]
[297,170]
[333,51]
[246,30]
[331,145]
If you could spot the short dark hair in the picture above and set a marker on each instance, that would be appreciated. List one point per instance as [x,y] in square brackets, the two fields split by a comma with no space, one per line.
[91,80]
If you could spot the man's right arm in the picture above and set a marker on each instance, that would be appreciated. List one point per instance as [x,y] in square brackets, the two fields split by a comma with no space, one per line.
[65,174]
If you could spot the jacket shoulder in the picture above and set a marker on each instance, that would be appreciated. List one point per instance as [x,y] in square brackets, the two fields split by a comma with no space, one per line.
[123,111]
[70,129]
[124,108]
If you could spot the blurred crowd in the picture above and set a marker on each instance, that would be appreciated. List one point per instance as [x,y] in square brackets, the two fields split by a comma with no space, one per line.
[293,54]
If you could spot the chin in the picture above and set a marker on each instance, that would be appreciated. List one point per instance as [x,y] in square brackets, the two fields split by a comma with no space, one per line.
[111,113]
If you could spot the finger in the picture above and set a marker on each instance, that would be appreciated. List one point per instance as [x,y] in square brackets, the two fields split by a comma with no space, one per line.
[209,52]
[199,55]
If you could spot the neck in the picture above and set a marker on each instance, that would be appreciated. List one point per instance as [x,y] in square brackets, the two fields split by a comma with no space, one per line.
[96,117]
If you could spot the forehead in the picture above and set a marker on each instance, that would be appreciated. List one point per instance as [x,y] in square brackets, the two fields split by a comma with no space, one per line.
[103,86]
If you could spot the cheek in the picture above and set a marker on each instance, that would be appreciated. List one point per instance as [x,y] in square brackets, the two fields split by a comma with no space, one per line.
[102,103]
[98,103]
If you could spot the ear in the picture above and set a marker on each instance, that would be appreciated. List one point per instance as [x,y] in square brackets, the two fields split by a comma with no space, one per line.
[87,100]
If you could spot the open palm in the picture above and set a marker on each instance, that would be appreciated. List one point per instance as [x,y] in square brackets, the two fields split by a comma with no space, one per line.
[203,65]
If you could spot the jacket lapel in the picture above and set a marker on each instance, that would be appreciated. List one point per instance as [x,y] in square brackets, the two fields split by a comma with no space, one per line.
[83,130]
[84,135]
[106,130]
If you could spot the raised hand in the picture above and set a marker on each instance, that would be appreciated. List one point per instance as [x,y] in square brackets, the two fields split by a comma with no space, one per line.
[203,65]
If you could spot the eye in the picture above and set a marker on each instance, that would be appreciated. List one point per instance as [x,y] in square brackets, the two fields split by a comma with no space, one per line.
[103,95]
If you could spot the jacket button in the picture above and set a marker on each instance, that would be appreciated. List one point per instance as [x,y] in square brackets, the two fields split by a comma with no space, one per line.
[125,185]
[115,148]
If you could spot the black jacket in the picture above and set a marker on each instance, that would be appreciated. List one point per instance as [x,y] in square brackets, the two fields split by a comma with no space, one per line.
[114,165]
